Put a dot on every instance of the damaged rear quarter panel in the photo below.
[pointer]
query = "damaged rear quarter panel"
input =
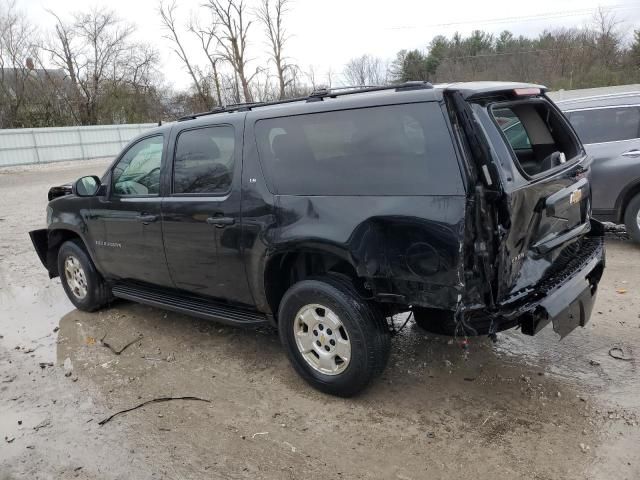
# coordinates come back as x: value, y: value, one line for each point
x: 407, y: 248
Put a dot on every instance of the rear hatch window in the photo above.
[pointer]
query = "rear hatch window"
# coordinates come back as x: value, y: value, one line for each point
x: 537, y: 134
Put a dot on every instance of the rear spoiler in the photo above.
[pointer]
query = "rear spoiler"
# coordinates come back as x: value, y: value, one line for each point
x: 477, y: 90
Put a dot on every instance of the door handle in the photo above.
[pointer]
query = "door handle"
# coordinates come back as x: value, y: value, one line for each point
x: 221, y: 221
x: 147, y: 218
x: 631, y: 153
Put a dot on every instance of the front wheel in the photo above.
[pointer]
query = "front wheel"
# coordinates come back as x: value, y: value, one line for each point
x: 632, y: 218
x: 334, y: 339
x: 82, y: 283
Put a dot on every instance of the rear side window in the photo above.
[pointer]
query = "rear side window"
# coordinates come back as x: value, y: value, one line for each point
x: 538, y: 135
x: 204, y: 160
x: 606, y: 124
x: 389, y: 150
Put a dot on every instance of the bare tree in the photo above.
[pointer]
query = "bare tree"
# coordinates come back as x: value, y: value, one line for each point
x: 208, y: 42
x: 96, y: 54
x: 168, y: 17
x: 299, y: 86
x: 330, y: 76
x: 608, y: 36
x: 311, y: 76
x: 106, y: 38
x: 17, y: 53
x: 66, y: 57
x: 139, y: 65
x: 231, y: 87
x: 365, y: 70
x: 272, y: 17
x: 231, y: 29
x: 64, y: 54
x: 263, y: 88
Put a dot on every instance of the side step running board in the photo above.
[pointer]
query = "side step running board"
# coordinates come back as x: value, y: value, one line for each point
x: 190, y: 305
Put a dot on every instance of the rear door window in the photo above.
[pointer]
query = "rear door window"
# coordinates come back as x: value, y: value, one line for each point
x: 388, y: 150
x: 606, y: 124
x: 204, y: 160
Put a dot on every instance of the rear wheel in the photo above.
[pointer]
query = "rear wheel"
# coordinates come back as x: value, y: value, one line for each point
x: 334, y: 339
x: 632, y: 218
x: 82, y: 283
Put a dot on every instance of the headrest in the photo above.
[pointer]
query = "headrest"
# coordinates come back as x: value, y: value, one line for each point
x: 199, y: 147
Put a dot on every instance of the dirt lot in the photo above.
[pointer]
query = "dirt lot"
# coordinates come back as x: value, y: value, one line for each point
x: 527, y: 408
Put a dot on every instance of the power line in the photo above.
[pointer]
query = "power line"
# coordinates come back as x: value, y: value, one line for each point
x: 540, y: 16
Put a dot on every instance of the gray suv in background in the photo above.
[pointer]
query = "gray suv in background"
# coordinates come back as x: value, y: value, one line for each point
x: 608, y: 124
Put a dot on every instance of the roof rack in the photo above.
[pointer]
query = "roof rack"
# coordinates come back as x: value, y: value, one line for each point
x: 315, y: 96
x: 339, y: 91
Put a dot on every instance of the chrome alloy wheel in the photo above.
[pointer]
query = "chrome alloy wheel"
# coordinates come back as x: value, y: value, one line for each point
x: 76, y: 278
x: 322, y: 339
x: 638, y: 219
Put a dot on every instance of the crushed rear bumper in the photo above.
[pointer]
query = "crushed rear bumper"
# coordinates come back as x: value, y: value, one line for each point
x: 570, y: 305
x: 567, y: 297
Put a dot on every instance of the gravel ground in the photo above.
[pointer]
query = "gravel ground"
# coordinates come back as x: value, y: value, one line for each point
x: 524, y: 407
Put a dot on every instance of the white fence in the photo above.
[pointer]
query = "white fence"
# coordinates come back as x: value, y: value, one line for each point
x: 43, y: 145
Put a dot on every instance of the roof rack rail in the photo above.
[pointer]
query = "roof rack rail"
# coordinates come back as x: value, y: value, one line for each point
x: 193, y: 116
x: 339, y: 91
x: 239, y: 107
x: 316, y: 95
x: 414, y: 85
x: 242, y: 107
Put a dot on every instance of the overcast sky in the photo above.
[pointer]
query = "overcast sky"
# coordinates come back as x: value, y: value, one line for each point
x: 327, y: 33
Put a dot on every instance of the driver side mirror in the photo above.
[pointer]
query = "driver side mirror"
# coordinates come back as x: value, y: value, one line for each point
x: 86, y: 186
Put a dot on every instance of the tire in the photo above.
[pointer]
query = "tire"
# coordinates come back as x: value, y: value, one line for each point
x: 632, y: 218
x: 321, y: 304
x: 82, y: 283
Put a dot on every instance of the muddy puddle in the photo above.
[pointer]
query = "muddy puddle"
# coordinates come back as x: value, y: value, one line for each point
x: 30, y: 314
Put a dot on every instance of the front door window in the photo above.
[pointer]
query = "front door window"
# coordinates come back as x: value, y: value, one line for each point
x: 138, y: 171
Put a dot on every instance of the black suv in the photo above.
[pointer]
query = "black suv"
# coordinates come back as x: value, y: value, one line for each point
x: 326, y: 215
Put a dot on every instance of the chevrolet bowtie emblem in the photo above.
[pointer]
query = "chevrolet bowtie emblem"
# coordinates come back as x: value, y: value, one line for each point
x: 575, y: 197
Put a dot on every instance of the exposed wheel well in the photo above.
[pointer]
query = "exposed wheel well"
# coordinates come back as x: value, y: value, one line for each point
x: 56, y: 239
x: 625, y: 199
x: 288, y: 268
